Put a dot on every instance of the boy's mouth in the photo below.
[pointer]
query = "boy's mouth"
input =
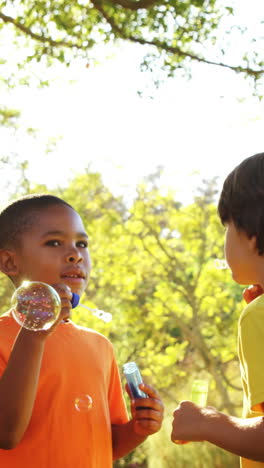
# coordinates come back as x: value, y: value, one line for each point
x: 73, y: 276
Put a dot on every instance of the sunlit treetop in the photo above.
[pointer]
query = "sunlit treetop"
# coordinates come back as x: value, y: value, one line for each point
x: 175, y: 32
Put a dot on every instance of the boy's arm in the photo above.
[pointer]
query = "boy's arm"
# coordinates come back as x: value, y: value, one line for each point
x: 18, y: 387
x: 243, y: 437
x: 18, y: 384
x: 144, y: 422
x: 125, y: 439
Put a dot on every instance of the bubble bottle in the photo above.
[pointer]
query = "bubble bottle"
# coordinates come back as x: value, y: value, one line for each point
x: 199, y: 392
x: 134, y: 379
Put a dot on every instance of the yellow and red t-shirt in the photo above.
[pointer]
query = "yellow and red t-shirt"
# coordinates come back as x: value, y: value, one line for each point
x: 251, y: 352
x: 77, y: 362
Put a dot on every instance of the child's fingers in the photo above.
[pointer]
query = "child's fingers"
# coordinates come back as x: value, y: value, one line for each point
x: 129, y: 391
x: 63, y: 290
x: 151, y: 403
x: 65, y: 309
x: 149, y: 390
x: 147, y: 427
x: 148, y: 414
x: 65, y: 296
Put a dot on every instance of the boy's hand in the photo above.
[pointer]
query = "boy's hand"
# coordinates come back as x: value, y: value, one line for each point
x: 147, y: 420
x: 66, y: 296
x: 250, y: 293
x: 189, y: 422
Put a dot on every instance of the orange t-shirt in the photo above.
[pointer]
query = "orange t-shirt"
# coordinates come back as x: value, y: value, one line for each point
x: 76, y: 362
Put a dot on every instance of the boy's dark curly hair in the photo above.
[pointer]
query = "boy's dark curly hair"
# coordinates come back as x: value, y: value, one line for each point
x: 242, y: 199
x: 20, y: 215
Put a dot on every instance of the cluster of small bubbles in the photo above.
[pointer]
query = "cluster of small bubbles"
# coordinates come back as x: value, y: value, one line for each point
x: 35, y: 305
x: 83, y: 403
x: 220, y: 264
x: 101, y: 314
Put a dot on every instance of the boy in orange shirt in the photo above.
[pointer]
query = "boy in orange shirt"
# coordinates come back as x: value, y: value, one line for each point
x: 241, y: 209
x: 42, y: 238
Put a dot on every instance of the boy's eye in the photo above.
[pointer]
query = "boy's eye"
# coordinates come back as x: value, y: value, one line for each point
x: 56, y: 243
x: 82, y: 244
x: 53, y: 243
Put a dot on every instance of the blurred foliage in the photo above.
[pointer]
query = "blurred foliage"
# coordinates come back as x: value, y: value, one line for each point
x: 8, y: 117
x: 173, y: 32
x: 174, y: 312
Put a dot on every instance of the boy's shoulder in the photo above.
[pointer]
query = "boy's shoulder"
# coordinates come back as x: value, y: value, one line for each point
x: 82, y: 339
x: 7, y: 321
x: 9, y: 329
x: 81, y: 329
x: 255, y: 307
x: 83, y: 332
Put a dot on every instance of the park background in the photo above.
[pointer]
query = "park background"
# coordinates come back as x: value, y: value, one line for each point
x: 140, y: 146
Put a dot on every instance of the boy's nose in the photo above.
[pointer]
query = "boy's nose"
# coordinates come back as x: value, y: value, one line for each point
x: 72, y: 259
x: 74, y: 256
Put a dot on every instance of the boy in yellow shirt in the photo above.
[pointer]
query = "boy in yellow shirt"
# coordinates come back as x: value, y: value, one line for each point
x: 241, y: 210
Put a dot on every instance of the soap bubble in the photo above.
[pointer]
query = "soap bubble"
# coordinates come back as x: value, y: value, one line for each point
x: 35, y: 305
x: 220, y: 264
x: 83, y: 403
x: 101, y: 314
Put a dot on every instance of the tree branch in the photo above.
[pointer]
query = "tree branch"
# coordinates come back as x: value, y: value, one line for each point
x: 175, y: 50
x: 136, y: 5
x: 227, y: 381
x: 119, y: 32
x: 37, y: 37
x: 168, y: 48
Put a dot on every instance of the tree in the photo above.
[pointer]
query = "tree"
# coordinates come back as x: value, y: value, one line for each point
x: 181, y: 307
x: 174, y: 312
x: 175, y: 32
x: 153, y: 268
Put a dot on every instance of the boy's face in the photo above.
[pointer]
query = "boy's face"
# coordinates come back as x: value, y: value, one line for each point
x: 55, y: 250
x: 242, y: 256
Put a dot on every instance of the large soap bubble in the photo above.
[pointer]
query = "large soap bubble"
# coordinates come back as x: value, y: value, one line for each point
x: 35, y: 305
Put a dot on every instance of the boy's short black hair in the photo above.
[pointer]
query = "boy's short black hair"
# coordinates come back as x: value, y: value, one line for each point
x: 19, y: 216
x: 242, y: 199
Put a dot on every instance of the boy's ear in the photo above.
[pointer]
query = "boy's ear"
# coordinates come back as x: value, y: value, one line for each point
x: 8, y: 262
x: 253, y: 243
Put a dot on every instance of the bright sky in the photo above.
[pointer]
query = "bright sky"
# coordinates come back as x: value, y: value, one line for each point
x: 206, y: 125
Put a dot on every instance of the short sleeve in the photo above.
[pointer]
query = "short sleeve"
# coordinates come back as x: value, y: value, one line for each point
x: 8, y: 333
x: 252, y: 353
x: 117, y: 405
x: 3, y: 363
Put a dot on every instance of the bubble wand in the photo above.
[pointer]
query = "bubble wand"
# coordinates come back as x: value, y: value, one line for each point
x: 101, y: 314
